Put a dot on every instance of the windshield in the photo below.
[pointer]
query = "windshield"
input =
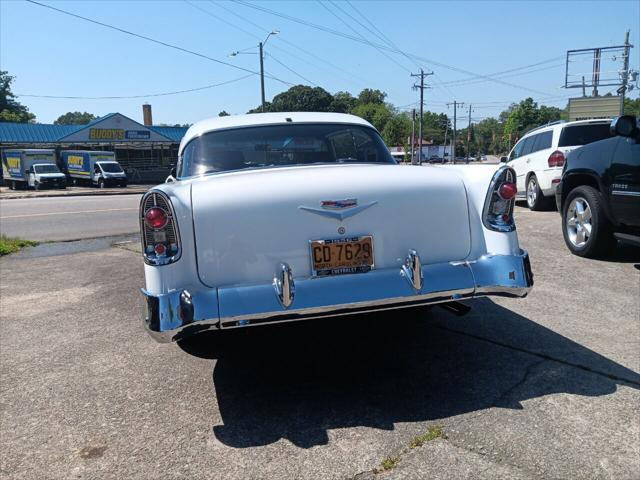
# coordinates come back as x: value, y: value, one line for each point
x: 48, y: 168
x: 281, y: 145
x: 111, y: 167
x: 583, y: 134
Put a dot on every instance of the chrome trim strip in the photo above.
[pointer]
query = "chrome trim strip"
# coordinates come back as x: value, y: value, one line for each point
x: 625, y: 193
x: 284, y: 285
x: 178, y: 314
x: 412, y: 270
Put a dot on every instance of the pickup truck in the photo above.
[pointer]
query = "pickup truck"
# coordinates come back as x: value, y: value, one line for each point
x: 598, y: 195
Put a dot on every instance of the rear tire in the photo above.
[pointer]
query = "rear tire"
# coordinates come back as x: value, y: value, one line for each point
x: 36, y: 186
x: 585, y: 227
x: 12, y: 185
x: 535, y: 198
x: 101, y: 183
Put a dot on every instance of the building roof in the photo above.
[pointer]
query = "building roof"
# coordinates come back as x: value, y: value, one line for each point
x: 31, y: 133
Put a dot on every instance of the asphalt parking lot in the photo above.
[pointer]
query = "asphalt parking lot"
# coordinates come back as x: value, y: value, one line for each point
x: 542, y: 387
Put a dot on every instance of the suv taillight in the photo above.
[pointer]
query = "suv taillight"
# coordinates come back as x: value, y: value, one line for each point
x: 501, y: 197
x: 158, y: 229
x: 556, y: 159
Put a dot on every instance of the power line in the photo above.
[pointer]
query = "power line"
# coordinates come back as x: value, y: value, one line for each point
x: 359, y: 34
x: 337, y: 68
x: 291, y: 70
x: 367, y: 42
x: 113, y: 97
x: 153, y: 40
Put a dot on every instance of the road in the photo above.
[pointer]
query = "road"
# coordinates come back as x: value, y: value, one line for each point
x: 542, y: 387
x: 69, y: 218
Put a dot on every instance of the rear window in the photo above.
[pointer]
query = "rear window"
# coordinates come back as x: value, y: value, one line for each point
x: 281, y: 145
x: 583, y: 134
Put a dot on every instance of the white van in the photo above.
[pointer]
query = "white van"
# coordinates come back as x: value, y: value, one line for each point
x: 539, y: 156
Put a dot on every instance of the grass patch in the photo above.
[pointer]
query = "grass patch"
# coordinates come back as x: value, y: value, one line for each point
x: 11, y: 245
x: 431, y: 434
x: 388, y: 463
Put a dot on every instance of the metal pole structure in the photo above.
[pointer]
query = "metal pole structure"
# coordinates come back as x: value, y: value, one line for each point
x: 446, y: 130
x: 422, y: 74
x: 469, y: 133
x: 453, y: 137
x: 625, y: 72
x: 413, y: 135
x: 262, y: 76
x: 596, y: 70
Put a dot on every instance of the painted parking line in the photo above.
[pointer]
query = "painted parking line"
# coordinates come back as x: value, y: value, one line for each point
x: 68, y: 213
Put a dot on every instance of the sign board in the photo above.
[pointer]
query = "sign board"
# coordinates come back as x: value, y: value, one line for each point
x: 585, y: 108
x: 114, y: 128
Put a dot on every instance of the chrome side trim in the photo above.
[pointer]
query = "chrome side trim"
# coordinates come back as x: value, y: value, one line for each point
x: 625, y: 193
x: 175, y: 315
x: 412, y: 270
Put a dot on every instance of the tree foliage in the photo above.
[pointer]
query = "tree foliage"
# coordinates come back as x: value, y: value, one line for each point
x: 632, y: 107
x: 75, y: 118
x: 10, y: 109
x: 223, y: 113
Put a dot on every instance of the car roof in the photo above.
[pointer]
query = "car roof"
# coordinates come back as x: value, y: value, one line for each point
x: 258, y: 119
x: 563, y: 124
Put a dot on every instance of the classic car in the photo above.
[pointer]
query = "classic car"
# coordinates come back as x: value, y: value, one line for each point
x: 287, y: 216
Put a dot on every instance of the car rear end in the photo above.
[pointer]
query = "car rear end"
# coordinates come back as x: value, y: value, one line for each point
x: 220, y: 253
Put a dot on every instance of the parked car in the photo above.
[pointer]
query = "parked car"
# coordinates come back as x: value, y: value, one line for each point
x: 540, y: 154
x: 35, y: 168
x: 286, y: 216
x: 599, y: 192
x: 98, y: 168
x: 436, y: 159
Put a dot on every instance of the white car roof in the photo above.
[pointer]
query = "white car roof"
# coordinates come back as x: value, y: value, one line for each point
x: 257, y: 119
x: 563, y: 124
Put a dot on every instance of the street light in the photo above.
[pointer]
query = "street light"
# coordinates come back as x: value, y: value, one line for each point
x: 261, y: 53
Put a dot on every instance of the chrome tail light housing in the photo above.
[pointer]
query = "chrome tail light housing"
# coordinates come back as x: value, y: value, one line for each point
x: 160, y: 239
x: 497, y: 214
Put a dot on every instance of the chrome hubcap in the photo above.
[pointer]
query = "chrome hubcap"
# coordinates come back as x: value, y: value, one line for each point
x: 579, y: 222
x: 532, y: 192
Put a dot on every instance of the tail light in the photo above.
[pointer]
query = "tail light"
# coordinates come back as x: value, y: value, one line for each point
x: 501, y: 197
x: 158, y: 229
x: 556, y: 159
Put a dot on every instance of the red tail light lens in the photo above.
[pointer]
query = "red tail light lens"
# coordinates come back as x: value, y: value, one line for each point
x: 156, y: 218
x: 507, y: 191
x: 556, y: 159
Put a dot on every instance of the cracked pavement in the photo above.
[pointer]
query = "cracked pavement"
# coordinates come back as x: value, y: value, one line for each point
x: 542, y: 387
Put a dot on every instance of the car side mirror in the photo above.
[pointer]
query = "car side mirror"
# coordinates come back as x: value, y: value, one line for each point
x: 504, y: 159
x: 172, y: 172
x: 625, y: 126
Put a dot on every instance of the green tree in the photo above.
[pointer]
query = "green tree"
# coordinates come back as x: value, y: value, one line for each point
x: 343, y: 102
x: 75, y: 118
x: 632, y: 107
x: 369, y: 95
x: 10, y: 109
x: 375, y: 113
x: 223, y: 113
x: 300, y: 98
x: 396, y: 130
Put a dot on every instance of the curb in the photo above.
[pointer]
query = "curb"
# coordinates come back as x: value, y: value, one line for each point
x: 72, y: 194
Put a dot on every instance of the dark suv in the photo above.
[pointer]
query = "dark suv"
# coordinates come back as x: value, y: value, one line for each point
x: 599, y: 192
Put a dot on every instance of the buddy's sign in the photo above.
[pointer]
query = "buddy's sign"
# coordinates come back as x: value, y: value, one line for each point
x: 115, y: 128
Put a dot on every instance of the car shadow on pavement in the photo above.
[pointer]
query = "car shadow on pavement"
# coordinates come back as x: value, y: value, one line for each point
x: 297, y: 381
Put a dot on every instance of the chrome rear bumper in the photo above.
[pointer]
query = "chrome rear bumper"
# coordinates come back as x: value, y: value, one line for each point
x: 176, y: 315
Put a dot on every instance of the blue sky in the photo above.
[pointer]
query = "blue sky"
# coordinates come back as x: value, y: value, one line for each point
x: 54, y: 54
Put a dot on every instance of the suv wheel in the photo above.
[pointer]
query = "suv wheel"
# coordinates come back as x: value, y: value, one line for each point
x: 535, y: 198
x: 36, y: 186
x: 101, y: 183
x: 585, y: 227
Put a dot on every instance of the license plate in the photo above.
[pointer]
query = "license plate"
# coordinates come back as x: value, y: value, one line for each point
x: 342, y: 255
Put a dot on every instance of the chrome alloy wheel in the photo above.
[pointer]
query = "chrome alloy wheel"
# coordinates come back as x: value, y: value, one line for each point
x: 532, y: 192
x: 578, y: 222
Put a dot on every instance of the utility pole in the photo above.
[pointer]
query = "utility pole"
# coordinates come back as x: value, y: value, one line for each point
x: 444, y: 150
x: 413, y: 135
x: 422, y: 74
x: 456, y: 105
x: 469, y: 133
x: 262, y: 77
x: 625, y: 70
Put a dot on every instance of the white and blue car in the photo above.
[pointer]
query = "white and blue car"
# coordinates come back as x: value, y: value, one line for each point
x: 288, y: 216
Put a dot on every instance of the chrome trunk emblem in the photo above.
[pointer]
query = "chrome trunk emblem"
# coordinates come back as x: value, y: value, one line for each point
x: 338, y: 209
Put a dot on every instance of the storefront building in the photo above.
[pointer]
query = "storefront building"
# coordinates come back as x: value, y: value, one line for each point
x: 145, y: 152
